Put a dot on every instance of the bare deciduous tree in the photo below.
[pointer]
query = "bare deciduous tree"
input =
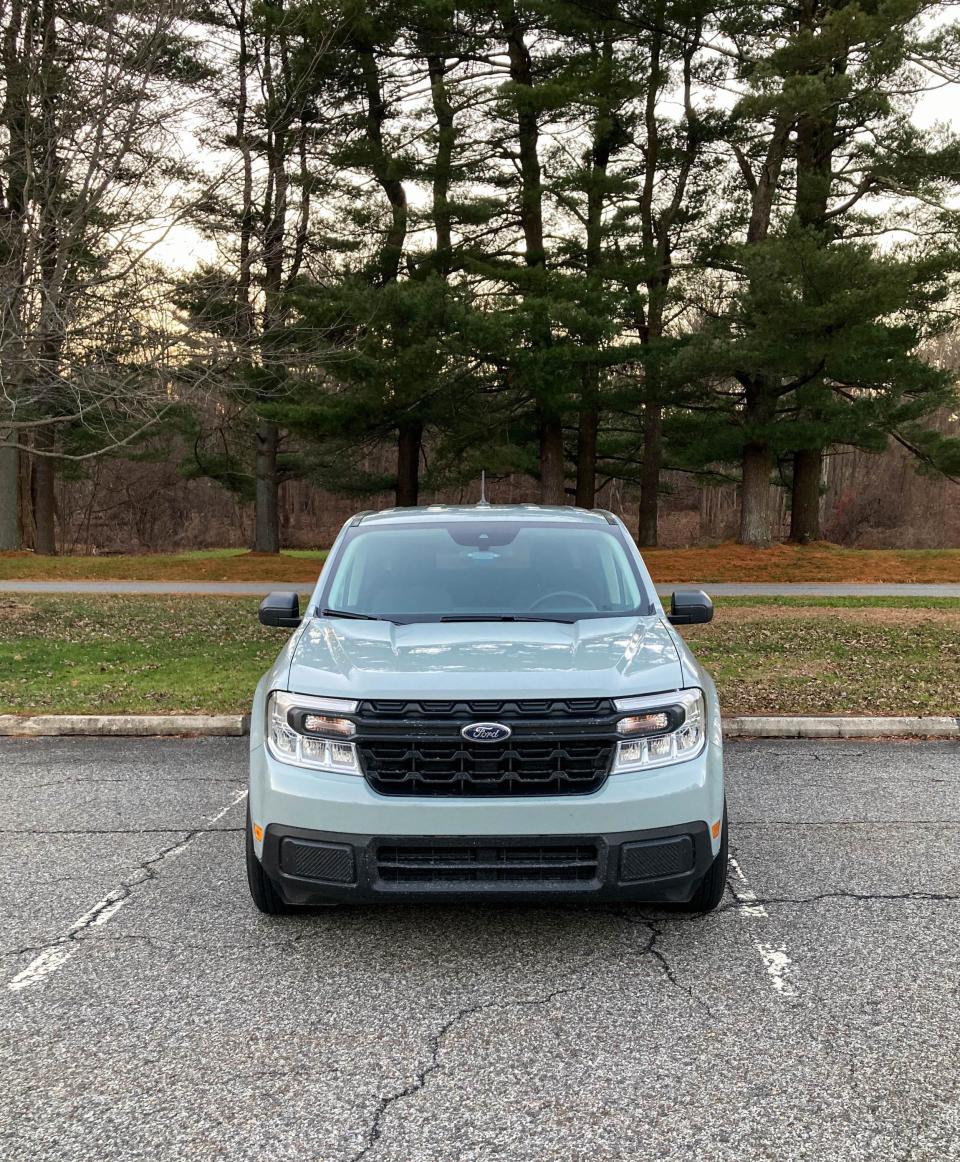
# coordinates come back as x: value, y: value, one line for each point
x: 92, y: 147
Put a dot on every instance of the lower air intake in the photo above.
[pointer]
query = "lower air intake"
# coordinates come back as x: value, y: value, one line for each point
x: 495, y: 864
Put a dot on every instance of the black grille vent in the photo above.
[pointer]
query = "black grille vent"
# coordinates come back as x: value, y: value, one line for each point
x: 457, y: 767
x: 332, y: 862
x: 656, y: 858
x: 564, y: 708
x: 448, y: 864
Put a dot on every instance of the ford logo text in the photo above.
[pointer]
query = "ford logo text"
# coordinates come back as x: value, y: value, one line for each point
x: 486, y: 732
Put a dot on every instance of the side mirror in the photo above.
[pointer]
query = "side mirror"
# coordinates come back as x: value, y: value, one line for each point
x: 281, y: 609
x: 690, y: 607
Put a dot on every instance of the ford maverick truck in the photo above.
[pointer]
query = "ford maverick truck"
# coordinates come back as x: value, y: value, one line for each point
x: 485, y: 701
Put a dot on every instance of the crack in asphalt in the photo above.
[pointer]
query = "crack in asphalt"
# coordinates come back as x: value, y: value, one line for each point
x: 374, y: 1131
x: 79, y: 780
x: 104, y: 908
x: 860, y: 897
x: 128, y: 831
x: 666, y: 968
x: 856, y: 897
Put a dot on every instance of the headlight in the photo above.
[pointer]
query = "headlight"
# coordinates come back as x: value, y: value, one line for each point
x: 661, y: 729
x: 312, y: 732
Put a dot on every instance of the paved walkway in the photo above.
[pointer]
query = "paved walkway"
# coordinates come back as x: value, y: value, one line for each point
x: 257, y: 588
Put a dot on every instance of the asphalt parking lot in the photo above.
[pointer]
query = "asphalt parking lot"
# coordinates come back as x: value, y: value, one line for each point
x: 148, y: 1012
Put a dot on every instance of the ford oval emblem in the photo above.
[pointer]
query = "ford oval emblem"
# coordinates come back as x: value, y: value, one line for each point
x: 486, y: 732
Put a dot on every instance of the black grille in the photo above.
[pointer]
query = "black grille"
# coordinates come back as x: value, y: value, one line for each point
x: 515, y: 767
x: 656, y: 858
x: 447, y: 864
x: 309, y: 860
x: 557, y: 747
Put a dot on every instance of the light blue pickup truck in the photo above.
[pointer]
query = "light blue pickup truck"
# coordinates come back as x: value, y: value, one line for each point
x: 485, y: 701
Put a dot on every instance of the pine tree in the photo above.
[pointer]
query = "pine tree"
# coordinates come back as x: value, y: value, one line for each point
x: 382, y: 354
x: 822, y: 130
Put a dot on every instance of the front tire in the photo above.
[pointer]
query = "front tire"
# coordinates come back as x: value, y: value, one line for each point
x: 266, y: 897
x: 710, y: 890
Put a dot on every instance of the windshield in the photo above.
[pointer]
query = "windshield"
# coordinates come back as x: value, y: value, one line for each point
x: 479, y: 570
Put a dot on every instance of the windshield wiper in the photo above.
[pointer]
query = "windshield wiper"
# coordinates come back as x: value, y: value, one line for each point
x: 353, y: 616
x: 505, y: 617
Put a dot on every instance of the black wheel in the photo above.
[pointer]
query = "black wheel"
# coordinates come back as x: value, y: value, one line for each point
x: 264, y: 894
x: 710, y: 890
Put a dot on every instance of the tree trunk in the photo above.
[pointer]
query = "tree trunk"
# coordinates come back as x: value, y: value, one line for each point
x: 443, y: 162
x: 587, y: 454
x: 267, y: 517
x: 9, y: 499
x: 552, y: 474
x: 383, y: 166
x: 409, y: 441
x: 755, y: 509
x: 28, y: 531
x: 650, y: 473
x: 805, y: 505
x: 44, y: 499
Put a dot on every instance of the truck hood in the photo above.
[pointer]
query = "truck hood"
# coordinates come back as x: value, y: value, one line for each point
x: 603, y: 657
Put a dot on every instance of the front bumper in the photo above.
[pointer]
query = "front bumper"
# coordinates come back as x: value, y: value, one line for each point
x: 343, y: 810
x: 660, y: 865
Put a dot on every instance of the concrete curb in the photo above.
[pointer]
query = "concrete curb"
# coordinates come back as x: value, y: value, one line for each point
x: 236, y: 725
x: 782, y: 726
x: 124, y: 725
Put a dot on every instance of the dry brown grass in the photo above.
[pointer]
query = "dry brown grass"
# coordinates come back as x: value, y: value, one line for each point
x: 817, y: 562
x: 727, y: 562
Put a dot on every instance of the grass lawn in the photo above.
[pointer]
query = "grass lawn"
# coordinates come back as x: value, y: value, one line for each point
x: 856, y: 656
x: 160, y: 655
x: 208, y: 565
x: 729, y: 562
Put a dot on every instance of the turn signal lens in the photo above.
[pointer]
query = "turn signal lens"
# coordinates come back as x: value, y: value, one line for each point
x: 645, y: 723
x: 322, y: 724
x: 715, y: 830
x: 257, y: 832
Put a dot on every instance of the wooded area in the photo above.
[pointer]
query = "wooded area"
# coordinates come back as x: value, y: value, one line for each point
x: 597, y: 245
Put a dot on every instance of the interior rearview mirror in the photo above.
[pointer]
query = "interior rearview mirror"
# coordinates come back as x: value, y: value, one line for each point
x: 690, y: 607
x: 281, y: 609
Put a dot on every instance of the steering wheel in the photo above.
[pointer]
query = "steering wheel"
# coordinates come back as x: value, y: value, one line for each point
x: 585, y: 602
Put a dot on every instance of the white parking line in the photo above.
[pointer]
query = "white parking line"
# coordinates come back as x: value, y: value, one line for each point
x: 233, y: 802
x: 58, y: 953
x: 775, y: 959
x: 745, y: 896
x: 777, y: 964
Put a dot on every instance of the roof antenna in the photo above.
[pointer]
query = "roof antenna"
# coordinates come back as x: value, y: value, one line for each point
x: 483, y: 502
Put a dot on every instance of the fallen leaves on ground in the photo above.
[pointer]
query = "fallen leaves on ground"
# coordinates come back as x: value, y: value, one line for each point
x: 820, y: 562
x: 106, y: 654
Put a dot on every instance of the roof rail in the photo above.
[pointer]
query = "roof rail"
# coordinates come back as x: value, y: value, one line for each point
x: 607, y: 516
x: 360, y: 515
